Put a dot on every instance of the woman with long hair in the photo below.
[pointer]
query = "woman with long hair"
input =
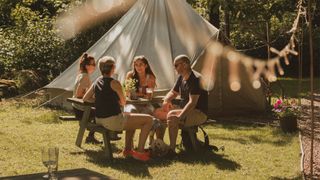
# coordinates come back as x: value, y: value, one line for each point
x: 87, y: 66
x: 143, y: 75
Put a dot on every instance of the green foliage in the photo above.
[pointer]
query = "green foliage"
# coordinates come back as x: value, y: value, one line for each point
x: 33, y: 46
x: 249, y: 20
x: 130, y: 85
x: 287, y: 108
x: 28, y: 40
x: 26, y: 80
x: 201, y: 6
x: 5, y: 11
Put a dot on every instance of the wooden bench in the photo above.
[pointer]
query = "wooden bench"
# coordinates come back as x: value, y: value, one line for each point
x: 68, y: 118
x: 85, y: 124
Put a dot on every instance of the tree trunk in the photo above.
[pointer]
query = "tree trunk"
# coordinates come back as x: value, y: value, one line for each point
x: 227, y: 19
x: 214, y: 15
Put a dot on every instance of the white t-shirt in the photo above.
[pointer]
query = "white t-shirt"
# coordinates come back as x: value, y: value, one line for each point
x: 82, y: 83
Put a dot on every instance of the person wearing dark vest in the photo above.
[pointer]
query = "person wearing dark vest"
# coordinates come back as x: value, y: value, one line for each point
x: 109, y: 99
x: 194, y: 101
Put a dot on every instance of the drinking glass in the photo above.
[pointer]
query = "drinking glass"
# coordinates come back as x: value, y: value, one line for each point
x: 149, y: 92
x: 50, y: 160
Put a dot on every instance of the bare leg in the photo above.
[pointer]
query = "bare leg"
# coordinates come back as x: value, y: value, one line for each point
x: 160, y: 132
x: 173, y: 126
x: 161, y: 114
x: 139, y: 121
x: 173, y: 131
x: 129, y: 139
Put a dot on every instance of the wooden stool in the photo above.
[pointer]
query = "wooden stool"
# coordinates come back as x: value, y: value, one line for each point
x: 107, y: 137
x: 86, y: 124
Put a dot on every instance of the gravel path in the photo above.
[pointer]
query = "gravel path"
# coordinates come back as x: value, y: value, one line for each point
x: 305, y: 128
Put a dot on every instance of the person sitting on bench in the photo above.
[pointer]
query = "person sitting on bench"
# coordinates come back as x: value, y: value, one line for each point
x: 194, y: 101
x: 108, y: 98
x: 87, y: 66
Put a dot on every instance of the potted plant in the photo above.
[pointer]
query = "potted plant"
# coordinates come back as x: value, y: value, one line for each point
x: 130, y: 88
x: 287, y: 112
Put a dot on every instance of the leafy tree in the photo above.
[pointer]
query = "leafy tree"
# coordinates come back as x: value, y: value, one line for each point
x: 29, y: 41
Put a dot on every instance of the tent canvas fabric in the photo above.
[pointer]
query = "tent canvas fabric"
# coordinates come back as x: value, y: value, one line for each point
x: 160, y: 30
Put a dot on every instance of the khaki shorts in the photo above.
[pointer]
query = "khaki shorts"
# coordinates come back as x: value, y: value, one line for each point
x: 194, y: 117
x: 114, y: 123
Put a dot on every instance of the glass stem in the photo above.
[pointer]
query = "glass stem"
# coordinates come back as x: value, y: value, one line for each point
x: 50, y: 171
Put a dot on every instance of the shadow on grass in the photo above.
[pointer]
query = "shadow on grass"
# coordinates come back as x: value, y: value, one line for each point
x: 298, y: 177
x: 140, y: 169
x: 85, y: 150
x: 278, y: 137
x: 209, y: 158
x: 133, y: 167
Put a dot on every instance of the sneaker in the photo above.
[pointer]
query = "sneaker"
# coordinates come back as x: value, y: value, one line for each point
x: 92, y: 140
x: 148, y: 152
x: 140, y: 156
x: 127, y: 153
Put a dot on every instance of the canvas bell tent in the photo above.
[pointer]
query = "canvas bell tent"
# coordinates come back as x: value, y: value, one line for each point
x: 160, y: 30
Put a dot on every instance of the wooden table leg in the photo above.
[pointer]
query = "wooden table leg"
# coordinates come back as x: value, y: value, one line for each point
x: 107, y: 145
x: 83, y: 125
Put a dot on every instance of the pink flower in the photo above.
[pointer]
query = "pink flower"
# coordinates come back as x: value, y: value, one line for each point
x: 279, y: 102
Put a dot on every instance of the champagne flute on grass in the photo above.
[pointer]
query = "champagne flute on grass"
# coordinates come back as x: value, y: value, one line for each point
x: 50, y: 160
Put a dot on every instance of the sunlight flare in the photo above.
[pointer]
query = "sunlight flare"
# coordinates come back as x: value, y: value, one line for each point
x: 91, y: 12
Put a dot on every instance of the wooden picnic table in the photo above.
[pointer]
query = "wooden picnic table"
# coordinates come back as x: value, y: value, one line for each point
x: 85, y: 123
x: 71, y: 174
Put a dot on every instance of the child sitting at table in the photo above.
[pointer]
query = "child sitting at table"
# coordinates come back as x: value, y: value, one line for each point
x: 108, y: 98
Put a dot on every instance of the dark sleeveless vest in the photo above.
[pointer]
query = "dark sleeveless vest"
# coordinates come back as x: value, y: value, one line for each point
x: 107, y: 100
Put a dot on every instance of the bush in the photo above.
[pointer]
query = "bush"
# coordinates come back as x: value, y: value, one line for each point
x: 27, y: 80
x: 28, y: 41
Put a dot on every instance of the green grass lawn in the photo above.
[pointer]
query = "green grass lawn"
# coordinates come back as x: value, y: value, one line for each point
x: 250, y: 152
x: 291, y: 87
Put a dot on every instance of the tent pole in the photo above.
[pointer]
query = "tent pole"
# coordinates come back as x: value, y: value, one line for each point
x: 268, y: 51
x: 311, y: 86
x: 300, y: 63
